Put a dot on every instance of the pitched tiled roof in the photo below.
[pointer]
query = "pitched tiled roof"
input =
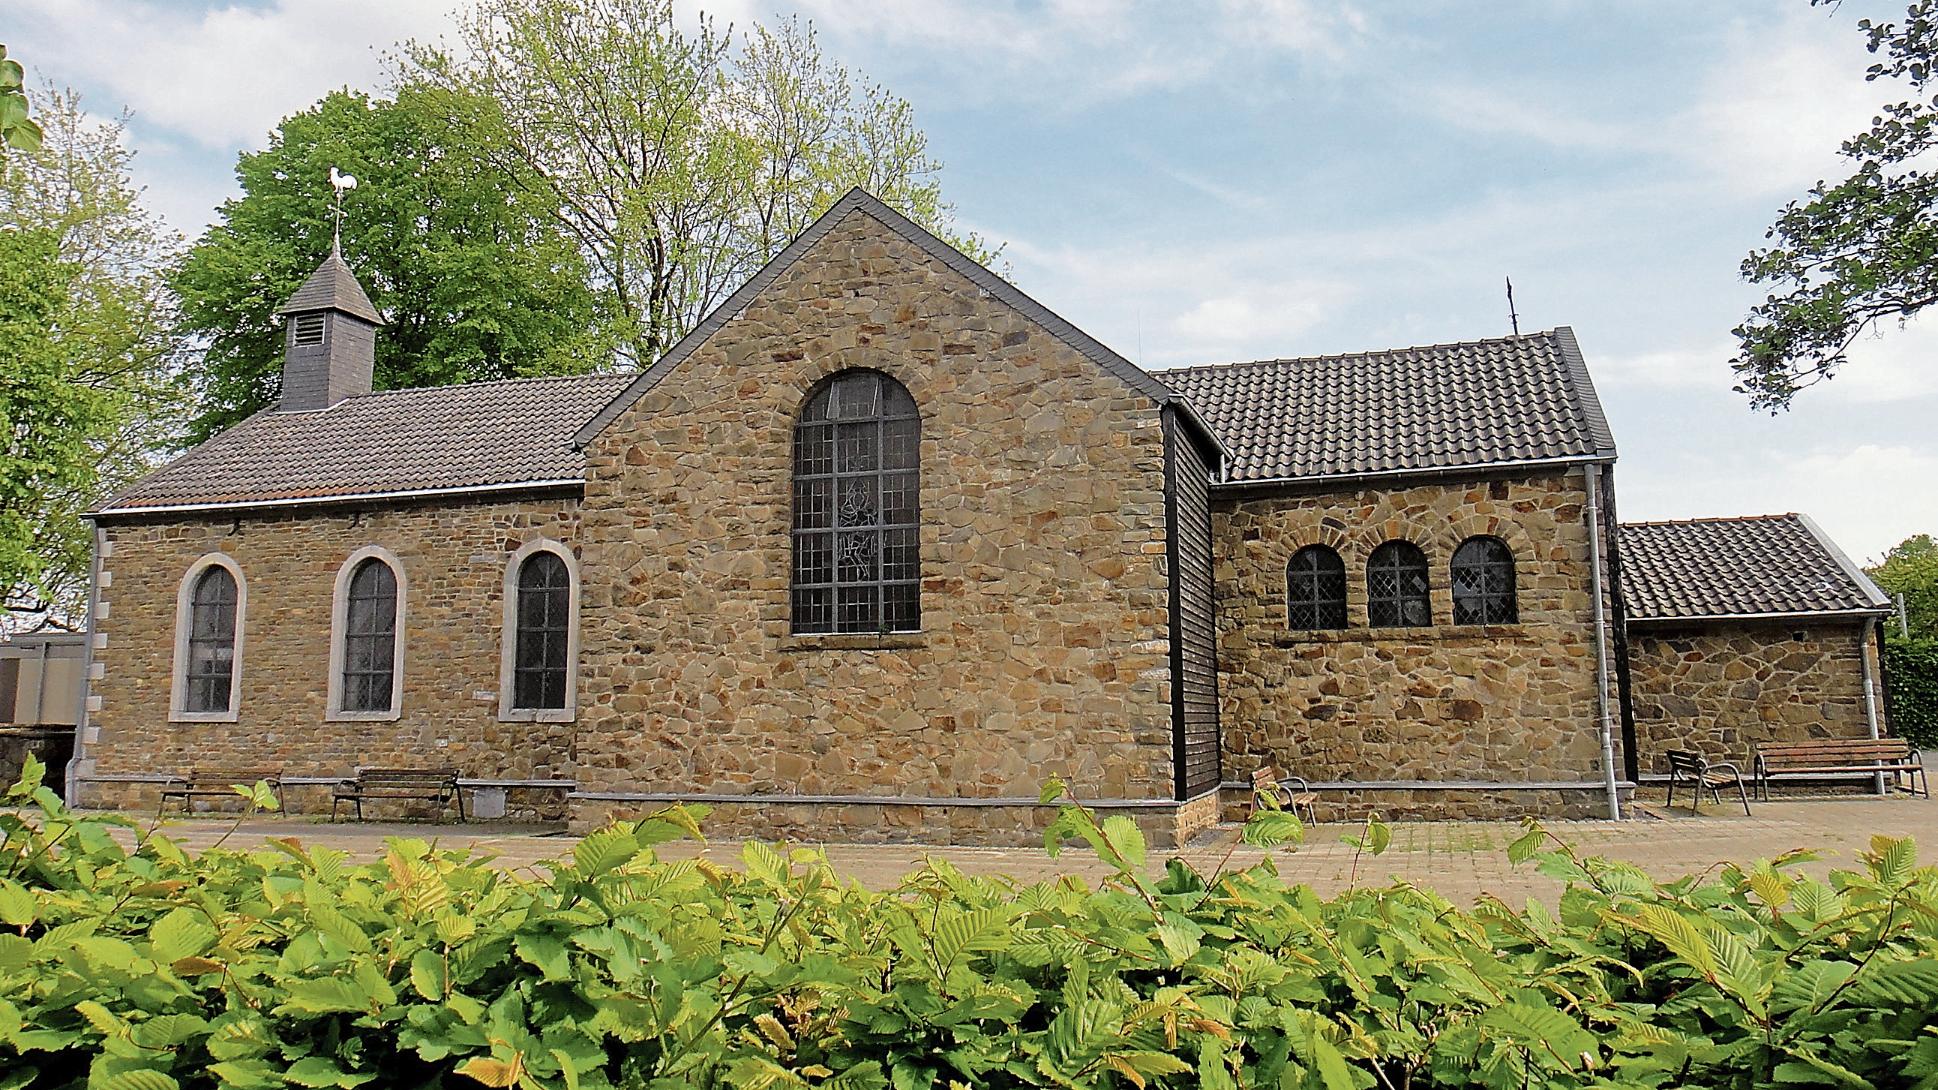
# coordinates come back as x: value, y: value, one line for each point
x: 1731, y: 567
x: 332, y: 287
x: 486, y: 434
x: 1448, y: 406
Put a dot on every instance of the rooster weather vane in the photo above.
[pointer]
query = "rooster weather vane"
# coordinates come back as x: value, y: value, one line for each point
x: 341, y: 183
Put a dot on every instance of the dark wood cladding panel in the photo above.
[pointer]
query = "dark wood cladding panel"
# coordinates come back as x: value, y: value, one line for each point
x: 1194, y: 630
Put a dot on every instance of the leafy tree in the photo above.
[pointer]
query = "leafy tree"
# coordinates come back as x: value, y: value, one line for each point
x: 1911, y: 660
x: 1858, y: 253
x: 473, y: 276
x: 679, y: 162
x: 1911, y: 569
x: 17, y: 130
x: 88, y: 359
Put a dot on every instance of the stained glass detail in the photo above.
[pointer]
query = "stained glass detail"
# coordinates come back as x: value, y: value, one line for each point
x: 857, y: 565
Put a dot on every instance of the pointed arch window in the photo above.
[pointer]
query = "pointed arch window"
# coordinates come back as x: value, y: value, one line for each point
x: 857, y: 555
x: 208, y: 641
x: 1315, y: 589
x: 1483, y: 582
x: 367, y: 648
x: 1397, y: 594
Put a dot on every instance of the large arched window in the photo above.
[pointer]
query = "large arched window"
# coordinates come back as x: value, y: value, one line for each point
x: 541, y: 640
x: 1483, y: 582
x: 1396, y: 587
x: 1315, y: 589
x: 366, y: 667
x: 857, y: 557
x: 208, y: 641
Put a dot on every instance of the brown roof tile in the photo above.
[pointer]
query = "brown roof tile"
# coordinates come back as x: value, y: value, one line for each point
x: 1731, y: 567
x: 1511, y: 399
x: 517, y: 431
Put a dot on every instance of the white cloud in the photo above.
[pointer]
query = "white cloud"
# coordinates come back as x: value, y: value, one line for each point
x: 222, y: 77
x: 1866, y: 496
x: 1528, y: 115
x: 1667, y: 369
x: 1068, y: 54
x: 1781, y: 99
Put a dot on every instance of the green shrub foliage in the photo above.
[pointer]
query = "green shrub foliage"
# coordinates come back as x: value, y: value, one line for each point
x: 1911, y: 689
x: 128, y: 964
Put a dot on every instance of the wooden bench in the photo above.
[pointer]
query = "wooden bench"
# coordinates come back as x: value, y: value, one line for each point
x: 218, y: 783
x: 1699, y: 772
x: 1266, y: 782
x: 1836, y: 756
x: 438, y: 786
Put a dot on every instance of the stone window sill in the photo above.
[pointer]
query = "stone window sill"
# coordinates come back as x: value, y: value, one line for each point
x: 202, y: 717
x: 893, y: 641
x: 1400, y: 635
x: 537, y: 715
x: 363, y: 717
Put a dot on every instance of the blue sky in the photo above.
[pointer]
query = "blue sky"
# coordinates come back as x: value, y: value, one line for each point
x: 1238, y: 179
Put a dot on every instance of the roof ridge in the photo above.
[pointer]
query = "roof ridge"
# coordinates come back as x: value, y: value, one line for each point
x: 1367, y: 353
x: 628, y: 375
x: 1706, y: 520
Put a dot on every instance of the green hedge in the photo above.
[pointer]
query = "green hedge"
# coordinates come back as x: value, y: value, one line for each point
x: 1911, y: 689
x: 127, y: 964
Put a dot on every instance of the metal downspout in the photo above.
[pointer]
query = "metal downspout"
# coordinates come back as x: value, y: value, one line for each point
x: 72, y: 780
x: 1870, y: 684
x: 1593, y: 475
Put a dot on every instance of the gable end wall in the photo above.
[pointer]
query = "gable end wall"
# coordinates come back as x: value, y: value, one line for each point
x: 1044, y: 647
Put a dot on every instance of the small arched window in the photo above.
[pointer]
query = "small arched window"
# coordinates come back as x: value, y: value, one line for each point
x: 1483, y: 582
x: 1396, y: 587
x: 211, y: 641
x: 857, y: 555
x: 208, y: 641
x: 541, y: 664
x: 1315, y: 589
x: 368, y: 656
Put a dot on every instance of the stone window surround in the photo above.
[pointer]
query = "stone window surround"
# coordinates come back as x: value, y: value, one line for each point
x: 1355, y: 548
x: 184, y: 619
x: 339, y: 619
x: 508, y: 638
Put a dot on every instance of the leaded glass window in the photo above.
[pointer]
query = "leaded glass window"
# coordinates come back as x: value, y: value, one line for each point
x: 857, y: 556
x: 544, y: 618
x: 1396, y: 587
x: 370, y: 638
x: 1483, y: 582
x: 1315, y: 589
x: 210, y: 671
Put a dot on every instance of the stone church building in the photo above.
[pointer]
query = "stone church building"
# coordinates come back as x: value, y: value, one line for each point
x: 884, y: 544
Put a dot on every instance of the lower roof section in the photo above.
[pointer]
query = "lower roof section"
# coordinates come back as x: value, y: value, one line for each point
x: 1762, y: 567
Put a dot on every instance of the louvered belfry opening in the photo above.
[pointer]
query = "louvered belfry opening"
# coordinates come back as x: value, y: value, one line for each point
x: 330, y: 338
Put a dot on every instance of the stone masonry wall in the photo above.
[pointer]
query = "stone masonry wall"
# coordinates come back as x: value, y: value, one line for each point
x: 1042, y: 648
x: 1497, y: 703
x: 453, y: 557
x: 1721, y: 689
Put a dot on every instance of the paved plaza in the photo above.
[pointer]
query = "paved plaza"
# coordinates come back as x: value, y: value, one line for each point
x: 1460, y: 859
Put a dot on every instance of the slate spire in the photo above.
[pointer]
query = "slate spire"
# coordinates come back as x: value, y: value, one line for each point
x: 330, y: 339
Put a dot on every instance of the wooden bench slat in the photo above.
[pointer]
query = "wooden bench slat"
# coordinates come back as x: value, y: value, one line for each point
x: 1835, y: 756
x: 434, y: 785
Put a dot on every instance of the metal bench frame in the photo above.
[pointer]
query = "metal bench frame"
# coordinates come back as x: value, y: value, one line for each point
x: 1699, y: 772
x: 433, y: 785
x: 1837, y: 756
x: 1267, y: 781
x: 217, y: 783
